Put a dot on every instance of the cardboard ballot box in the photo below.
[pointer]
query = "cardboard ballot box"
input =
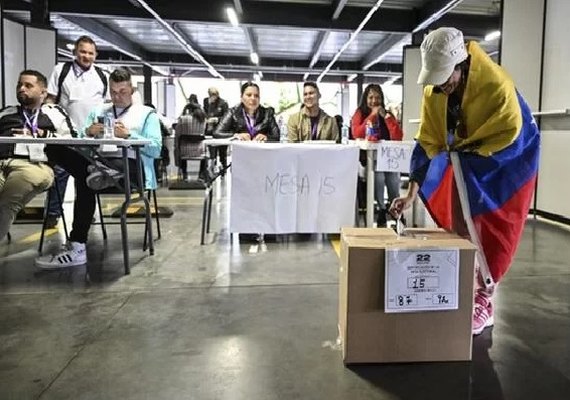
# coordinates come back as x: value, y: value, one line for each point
x: 414, y: 305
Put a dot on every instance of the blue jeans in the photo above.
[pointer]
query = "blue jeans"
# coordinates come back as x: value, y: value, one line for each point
x: 392, y: 182
x: 61, y: 177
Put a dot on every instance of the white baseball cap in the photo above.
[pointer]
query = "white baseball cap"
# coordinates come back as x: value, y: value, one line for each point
x: 441, y: 51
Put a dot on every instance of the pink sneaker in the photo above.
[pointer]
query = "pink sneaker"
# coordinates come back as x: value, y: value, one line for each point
x: 482, y: 314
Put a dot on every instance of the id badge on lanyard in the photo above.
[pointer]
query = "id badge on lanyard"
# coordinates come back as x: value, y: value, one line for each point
x: 31, y: 123
x: 250, y: 124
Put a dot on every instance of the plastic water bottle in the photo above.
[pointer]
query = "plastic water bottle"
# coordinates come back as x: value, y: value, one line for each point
x: 371, y: 135
x: 108, y: 126
x: 283, y: 134
x: 344, y: 134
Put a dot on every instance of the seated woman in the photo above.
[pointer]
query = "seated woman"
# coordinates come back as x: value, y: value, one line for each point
x: 249, y: 120
x: 371, y: 115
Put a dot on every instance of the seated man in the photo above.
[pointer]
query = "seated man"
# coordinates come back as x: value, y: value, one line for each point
x: 133, y: 121
x: 24, y: 172
x: 311, y: 123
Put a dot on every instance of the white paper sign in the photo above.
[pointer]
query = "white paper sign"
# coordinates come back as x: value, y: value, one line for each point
x: 394, y: 156
x: 287, y: 188
x: 421, y: 280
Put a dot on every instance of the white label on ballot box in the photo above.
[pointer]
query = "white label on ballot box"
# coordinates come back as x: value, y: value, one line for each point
x: 421, y: 280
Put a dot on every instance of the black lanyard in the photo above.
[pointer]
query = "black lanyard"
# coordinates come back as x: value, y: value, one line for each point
x: 117, y: 116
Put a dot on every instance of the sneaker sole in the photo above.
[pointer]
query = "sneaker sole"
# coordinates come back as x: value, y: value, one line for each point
x: 490, y: 322
x: 55, y: 267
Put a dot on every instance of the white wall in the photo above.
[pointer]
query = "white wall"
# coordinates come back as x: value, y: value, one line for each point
x: 14, y: 58
x: 24, y: 48
x: 521, y: 46
x: 41, y: 49
x: 553, y: 191
x: 413, y: 92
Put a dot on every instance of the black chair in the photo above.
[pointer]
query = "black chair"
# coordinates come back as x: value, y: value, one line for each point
x: 208, y: 195
x: 151, y: 196
x: 112, y: 190
x: 188, y: 148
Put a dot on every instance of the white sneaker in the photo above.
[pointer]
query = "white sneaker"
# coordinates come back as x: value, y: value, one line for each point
x: 71, y: 254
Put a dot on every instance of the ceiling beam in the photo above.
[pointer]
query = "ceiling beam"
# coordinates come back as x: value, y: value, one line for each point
x: 318, y: 47
x: 248, y: 33
x: 244, y: 76
x: 375, y: 55
x: 167, y: 26
x: 102, y: 31
x: 185, y: 36
x: 250, y: 39
x: 475, y: 28
x: 315, y: 16
x: 338, y: 6
x: 434, y: 10
x: 225, y: 62
x: 299, y: 15
x: 238, y: 7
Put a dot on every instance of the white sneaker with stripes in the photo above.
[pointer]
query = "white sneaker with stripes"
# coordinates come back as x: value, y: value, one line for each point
x: 71, y: 255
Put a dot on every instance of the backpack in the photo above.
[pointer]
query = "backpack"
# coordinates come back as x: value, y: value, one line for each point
x: 65, y: 70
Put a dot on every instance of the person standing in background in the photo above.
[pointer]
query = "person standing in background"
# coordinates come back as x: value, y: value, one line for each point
x: 215, y: 108
x: 77, y: 86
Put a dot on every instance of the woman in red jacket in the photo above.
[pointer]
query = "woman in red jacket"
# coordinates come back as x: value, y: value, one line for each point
x: 372, y: 114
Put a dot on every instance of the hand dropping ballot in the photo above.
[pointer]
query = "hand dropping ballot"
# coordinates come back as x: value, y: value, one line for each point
x: 421, y: 280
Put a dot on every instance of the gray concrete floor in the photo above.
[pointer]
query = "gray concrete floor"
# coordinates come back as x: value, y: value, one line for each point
x: 216, y: 322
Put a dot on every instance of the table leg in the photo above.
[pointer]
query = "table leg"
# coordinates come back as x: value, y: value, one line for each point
x: 140, y: 190
x: 369, y: 188
x: 124, y: 208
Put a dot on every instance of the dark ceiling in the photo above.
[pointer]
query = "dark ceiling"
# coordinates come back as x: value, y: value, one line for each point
x: 294, y: 39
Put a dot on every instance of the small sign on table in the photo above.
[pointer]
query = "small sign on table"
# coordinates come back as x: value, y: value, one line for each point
x: 421, y: 280
x: 394, y: 156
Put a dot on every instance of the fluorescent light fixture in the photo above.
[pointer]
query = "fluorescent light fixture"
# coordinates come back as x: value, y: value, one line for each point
x: 391, y: 81
x: 232, y: 16
x: 197, y: 56
x: 260, y: 74
x: 351, y: 38
x: 70, y: 46
x: 492, y: 36
x: 351, y: 78
x: 256, y: 77
x: 437, y: 15
x: 305, y: 76
x: 65, y: 53
x: 254, y: 58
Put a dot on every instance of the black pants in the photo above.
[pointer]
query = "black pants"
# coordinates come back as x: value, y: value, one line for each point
x: 184, y: 169
x: 84, y: 207
x: 222, y: 152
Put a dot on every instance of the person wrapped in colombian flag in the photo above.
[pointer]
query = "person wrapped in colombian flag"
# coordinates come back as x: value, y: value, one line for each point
x: 476, y: 156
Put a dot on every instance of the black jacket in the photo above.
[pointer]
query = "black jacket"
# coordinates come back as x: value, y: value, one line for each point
x: 217, y: 109
x: 51, y: 118
x: 234, y: 122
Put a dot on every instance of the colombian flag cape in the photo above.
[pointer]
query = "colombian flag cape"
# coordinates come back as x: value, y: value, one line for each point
x: 492, y: 171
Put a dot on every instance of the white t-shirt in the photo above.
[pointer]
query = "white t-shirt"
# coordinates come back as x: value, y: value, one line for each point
x: 79, y: 94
